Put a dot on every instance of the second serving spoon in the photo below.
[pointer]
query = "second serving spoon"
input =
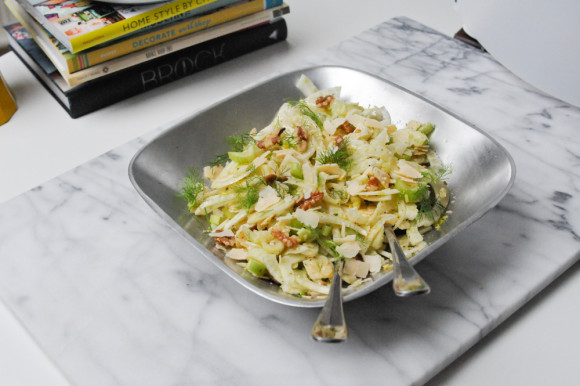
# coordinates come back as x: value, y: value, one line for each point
x: 406, y: 281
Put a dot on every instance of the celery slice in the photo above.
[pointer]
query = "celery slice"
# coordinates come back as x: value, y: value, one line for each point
x: 408, y: 192
x: 255, y: 267
x: 246, y: 156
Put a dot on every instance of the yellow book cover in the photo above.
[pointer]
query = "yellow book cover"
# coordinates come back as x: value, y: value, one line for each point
x: 156, y: 50
x: 173, y: 46
x: 164, y: 33
x: 82, y: 24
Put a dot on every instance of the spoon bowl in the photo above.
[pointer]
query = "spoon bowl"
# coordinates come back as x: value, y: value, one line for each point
x: 406, y: 281
x: 330, y: 327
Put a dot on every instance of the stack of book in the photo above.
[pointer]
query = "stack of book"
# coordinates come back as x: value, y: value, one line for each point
x: 91, y: 54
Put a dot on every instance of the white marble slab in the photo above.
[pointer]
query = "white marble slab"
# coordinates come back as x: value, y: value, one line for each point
x: 115, y: 297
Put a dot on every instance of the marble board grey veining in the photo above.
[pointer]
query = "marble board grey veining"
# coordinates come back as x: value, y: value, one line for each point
x: 115, y: 297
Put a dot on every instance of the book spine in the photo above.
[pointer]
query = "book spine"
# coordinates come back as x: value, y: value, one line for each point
x: 123, y: 62
x: 34, y: 30
x: 42, y: 76
x: 142, y: 20
x: 92, y: 57
x: 169, y: 68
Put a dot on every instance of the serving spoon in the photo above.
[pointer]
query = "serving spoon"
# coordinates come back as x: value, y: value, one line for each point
x: 330, y: 327
x: 406, y: 281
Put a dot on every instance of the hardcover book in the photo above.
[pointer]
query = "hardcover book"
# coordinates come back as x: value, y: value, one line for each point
x: 82, y: 24
x: 102, y: 92
x: 70, y: 63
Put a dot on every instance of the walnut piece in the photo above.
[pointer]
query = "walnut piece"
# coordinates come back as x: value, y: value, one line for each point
x: 347, y: 127
x: 288, y: 241
x: 307, y: 203
x: 226, y: 241
x: 270, y: 178
x: 302, y: 137
x: 270, y: 140
x: 324, y: 101
x: 373, y: 184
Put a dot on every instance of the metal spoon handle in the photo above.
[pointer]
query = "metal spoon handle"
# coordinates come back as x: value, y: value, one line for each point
x: 406, y: 281
x: 330, y: 327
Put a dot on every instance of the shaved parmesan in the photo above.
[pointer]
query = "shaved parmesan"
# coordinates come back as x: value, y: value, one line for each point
x: 237, y: 254
x: 405, y: 169
x: 414, y: 235
x: 267, y: 198
x: 349, y: 249
x: 309, y: 218
x: 374, y: 262
x: 356, y: 268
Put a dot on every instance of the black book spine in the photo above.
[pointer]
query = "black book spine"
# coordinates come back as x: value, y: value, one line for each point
x: 146, y: 76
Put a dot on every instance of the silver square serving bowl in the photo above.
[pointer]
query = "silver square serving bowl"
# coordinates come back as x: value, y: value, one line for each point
x: 482, y: 170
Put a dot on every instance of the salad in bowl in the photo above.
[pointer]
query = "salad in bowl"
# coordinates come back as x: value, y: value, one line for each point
x: 318, y: 186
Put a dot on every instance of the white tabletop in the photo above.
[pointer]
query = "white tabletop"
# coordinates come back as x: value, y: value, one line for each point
x: 534, y: 346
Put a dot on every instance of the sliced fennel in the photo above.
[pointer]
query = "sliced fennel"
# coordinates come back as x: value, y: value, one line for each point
x: 318, y: 185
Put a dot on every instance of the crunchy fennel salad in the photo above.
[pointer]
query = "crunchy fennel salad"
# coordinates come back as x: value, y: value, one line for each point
x: 318, y: 186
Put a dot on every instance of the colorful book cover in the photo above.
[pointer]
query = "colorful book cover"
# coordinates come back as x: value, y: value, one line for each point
x: 165, y: 48
x: 118, y: 64
x: 103, y: 92
x: 140, y: 40
x: 81, y: 24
